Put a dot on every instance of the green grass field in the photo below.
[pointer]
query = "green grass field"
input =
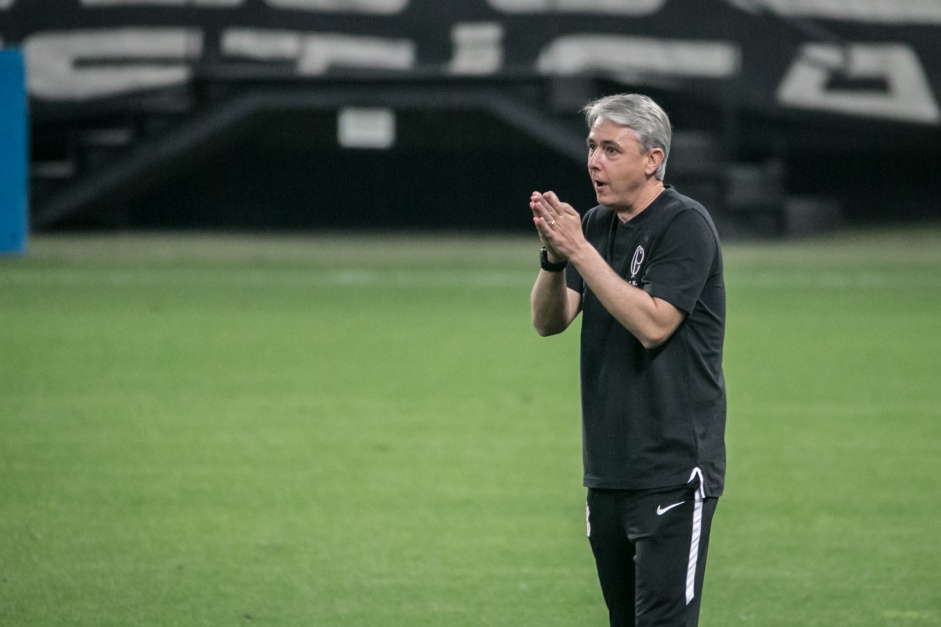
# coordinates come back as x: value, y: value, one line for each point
x: 337, y: 431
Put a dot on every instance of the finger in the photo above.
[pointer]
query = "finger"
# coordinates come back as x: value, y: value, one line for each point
x: 558, y: 207
x: 552, y: 199
x: 544, y: 231
x: 555, y: 207
x: 566, y: 209
x: 542, y: 208
x: 541, y: 216
x: 550, y: 205
x: 537, y: 204
x: 548, y: 219
x: 547, y: 222
x: 539, y: 209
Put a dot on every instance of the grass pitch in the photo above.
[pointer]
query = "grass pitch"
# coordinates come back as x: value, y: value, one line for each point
x: 226, y: 430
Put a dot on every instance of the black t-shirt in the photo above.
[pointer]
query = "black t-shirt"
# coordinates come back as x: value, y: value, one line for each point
x: 651, y: 417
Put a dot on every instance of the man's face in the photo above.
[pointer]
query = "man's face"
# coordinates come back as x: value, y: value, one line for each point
x: 618, y: 167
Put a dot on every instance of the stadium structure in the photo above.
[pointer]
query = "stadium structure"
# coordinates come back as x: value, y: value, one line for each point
x: 790, y: 116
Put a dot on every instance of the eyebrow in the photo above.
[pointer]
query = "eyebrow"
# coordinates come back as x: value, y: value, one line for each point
x: 605, y: 143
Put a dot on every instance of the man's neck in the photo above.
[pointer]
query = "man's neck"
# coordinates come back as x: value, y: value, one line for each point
x: 650, y: 194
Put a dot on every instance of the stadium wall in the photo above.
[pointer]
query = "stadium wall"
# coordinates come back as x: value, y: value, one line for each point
x: 446, y: 113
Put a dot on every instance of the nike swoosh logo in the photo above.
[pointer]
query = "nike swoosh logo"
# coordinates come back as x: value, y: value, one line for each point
x: 663, y: 510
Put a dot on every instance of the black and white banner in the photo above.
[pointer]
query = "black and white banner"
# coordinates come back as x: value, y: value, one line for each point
x: 868, y: 59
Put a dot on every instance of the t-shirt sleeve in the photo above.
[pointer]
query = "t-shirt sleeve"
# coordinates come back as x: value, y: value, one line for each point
x: 682, y: 261
x: 574, y: 280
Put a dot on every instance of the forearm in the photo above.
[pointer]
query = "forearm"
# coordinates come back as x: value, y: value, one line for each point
x: 650, y: 320
x: 549, y: 303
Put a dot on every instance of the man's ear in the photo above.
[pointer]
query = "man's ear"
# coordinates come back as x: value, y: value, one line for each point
x: 654, y: 159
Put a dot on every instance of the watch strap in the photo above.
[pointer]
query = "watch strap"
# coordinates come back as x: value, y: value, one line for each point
x: 549, y: 266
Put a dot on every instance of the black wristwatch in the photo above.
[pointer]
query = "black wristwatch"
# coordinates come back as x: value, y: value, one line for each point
x: 547, y: 265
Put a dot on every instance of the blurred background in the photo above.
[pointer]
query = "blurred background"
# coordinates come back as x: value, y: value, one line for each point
x: 206, y: 422
x: 790, y: 116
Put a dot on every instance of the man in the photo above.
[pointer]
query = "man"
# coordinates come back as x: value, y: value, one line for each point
x: 644, y: 268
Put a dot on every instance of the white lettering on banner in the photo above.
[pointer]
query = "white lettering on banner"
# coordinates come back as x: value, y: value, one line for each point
x: 322, y: 52
x: 177, y: 3
x: 632, y: 56
x: 385, y: 7
x: 54, y: 61
x: 262, y: 45
x: 613, y: 7
x: 908, y: 96
x: 316, y: 54
x: 877, y: 11
x: 478, y: 48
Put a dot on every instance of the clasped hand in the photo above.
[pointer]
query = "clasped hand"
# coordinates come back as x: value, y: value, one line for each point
x: 558, y: 224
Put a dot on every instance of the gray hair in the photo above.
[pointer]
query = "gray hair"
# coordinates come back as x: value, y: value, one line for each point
x: 641, y: 114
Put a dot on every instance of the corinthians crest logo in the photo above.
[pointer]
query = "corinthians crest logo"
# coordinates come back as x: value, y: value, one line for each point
x: 636, y: 262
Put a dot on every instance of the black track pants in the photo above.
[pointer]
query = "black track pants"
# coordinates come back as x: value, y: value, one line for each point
x: 650, y: 550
